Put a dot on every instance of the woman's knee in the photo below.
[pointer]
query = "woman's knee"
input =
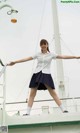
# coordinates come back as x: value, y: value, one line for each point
x: 33, y: 92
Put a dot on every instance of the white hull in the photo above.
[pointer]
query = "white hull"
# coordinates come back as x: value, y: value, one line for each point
x: 44, y: 123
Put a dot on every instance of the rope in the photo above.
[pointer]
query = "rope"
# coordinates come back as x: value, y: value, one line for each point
x: 72, y: 53
x: 42, y: 16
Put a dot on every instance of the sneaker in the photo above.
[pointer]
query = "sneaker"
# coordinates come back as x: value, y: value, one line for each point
x: 25, y: 114
x: 65, y: 111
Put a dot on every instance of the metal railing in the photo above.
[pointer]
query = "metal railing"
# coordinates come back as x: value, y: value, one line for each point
x: 40, y: 106
x: 3, y: 73
x: 4, y: 104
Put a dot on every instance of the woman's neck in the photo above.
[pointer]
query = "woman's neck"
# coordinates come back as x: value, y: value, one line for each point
x: 44, y: 51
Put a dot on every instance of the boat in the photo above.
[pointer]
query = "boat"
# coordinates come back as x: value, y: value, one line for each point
x: 49, y: 118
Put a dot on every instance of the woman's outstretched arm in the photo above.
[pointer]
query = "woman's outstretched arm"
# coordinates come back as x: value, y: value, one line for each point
x: 67, y: 57
x: 19, y: 61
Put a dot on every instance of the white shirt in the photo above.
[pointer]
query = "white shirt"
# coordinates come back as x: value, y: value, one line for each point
x: 44, y: 61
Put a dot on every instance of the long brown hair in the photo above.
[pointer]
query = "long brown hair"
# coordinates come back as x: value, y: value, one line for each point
x: 44, y: 41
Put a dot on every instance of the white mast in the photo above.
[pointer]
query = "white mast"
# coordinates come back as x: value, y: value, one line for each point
x: 60, y: 73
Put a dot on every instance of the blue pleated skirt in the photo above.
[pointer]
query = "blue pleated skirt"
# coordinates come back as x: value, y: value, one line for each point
x: 40, y: 79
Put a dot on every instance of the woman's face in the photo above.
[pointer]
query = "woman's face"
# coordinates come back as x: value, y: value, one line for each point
x: 44, y: 46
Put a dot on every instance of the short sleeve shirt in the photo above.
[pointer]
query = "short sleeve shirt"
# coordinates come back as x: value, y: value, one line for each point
x: 44, y: 62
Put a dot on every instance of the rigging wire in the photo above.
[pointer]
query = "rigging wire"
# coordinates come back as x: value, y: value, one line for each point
x: 49, y: 44
x: 38, y: 37
x: 64, y: 44
x: 42, y: 16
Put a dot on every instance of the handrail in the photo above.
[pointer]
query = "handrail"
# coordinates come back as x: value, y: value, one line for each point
x: 2, y: 71
x: 1, y: 62
x: 42, y: 100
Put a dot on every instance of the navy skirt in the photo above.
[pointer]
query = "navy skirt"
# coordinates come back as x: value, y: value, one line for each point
x: 40, y: 79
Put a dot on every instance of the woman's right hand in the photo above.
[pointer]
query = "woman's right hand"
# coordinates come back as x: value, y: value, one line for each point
x: 11, y: 63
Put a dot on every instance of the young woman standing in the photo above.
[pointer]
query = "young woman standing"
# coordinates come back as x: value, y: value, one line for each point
x: 41, y: 78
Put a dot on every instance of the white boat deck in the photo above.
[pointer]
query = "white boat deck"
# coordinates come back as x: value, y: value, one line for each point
x: 43, y: 123
x: 42, y: 118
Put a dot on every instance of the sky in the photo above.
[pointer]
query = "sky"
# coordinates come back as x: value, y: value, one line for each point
x: 20, y: 40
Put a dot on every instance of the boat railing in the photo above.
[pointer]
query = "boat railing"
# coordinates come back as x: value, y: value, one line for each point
x: 40, y: 106
x: 3, y: 126
x: 3, y: 96
x: 43, y: 106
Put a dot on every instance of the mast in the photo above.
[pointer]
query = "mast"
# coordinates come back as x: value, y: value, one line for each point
x: 59, y: 63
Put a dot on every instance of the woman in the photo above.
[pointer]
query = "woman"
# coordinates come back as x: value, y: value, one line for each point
x: 41, y: 79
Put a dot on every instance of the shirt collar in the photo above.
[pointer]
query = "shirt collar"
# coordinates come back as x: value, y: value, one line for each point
x: 45, y: 53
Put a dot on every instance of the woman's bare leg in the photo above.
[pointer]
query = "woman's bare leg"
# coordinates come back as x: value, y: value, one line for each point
x: 32, y: 96
x: 56, y: 98
x: 54, y: 95
x: 31, y: 100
